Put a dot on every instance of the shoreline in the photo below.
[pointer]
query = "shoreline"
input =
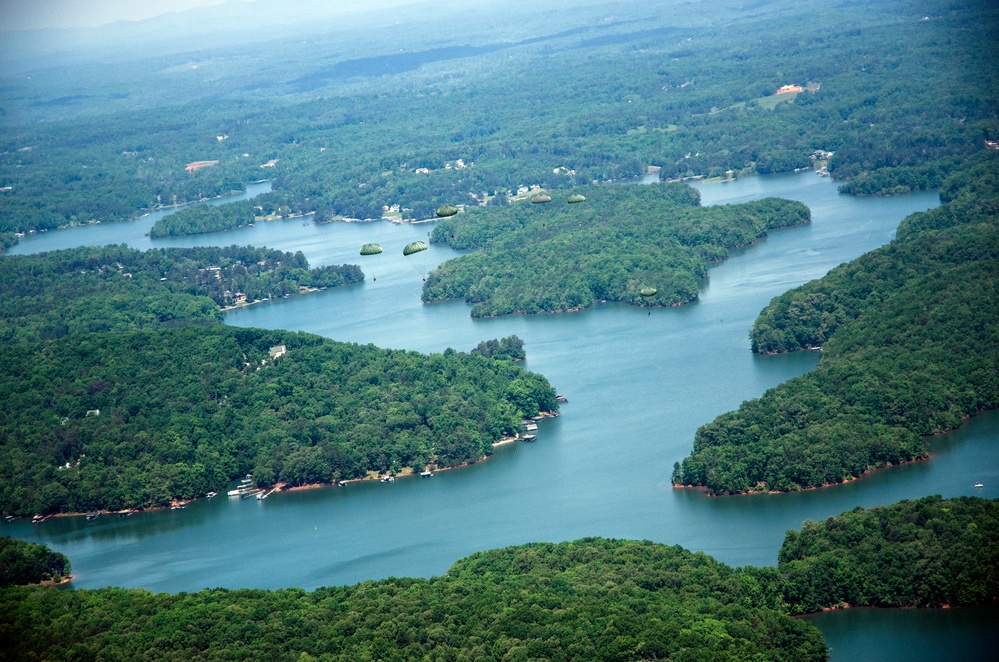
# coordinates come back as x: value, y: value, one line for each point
x: 844, y: 606
x: 283, y: 487
x: 279, y: 487
x: 307, y: 290
x: 866, y: 472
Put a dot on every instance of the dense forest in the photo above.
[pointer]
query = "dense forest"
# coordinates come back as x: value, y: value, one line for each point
x: 592, y: 599
x: 929, y: 552
x: 122, y: 420
x: 202, y: 219
x: 511, y: 348
x: 898, y: 92
x: 908, y: 335
x: 645, y: 245
x: 30, y: 563
x: 116, y: 288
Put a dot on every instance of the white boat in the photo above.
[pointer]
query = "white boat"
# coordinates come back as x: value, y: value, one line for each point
x: 530, y: 437
x: 211, y: 494
x: 979, y: 485
x: 531, y: 428
x: 427, y: 474
x: 235, y: 492
x: 388, y: 479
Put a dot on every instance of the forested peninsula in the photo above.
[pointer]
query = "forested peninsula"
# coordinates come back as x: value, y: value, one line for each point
x: 116, y: 288
x: 115, y: 420
x: 126, y: 391
x: 644, y: 245
x: 908, y: 336
x: 30, y: 563
x: 593, y: 599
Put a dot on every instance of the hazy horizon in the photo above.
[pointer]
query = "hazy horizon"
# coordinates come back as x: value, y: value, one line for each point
x: 28, y: 15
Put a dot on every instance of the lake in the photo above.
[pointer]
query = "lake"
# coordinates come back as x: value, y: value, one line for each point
x: 638, y: 385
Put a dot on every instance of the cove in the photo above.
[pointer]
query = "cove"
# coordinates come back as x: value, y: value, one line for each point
x: 638, y: 385
x: 133, y: 233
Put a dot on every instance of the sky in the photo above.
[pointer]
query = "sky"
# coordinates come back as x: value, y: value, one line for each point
x: 38, y: 14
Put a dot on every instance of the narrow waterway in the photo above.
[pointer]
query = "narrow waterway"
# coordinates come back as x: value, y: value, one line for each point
x: 639, y: 385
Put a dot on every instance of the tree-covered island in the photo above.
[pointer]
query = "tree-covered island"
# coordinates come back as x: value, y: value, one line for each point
x: 591, y: 599
x: 909, y: 336
x: 644, y: 245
